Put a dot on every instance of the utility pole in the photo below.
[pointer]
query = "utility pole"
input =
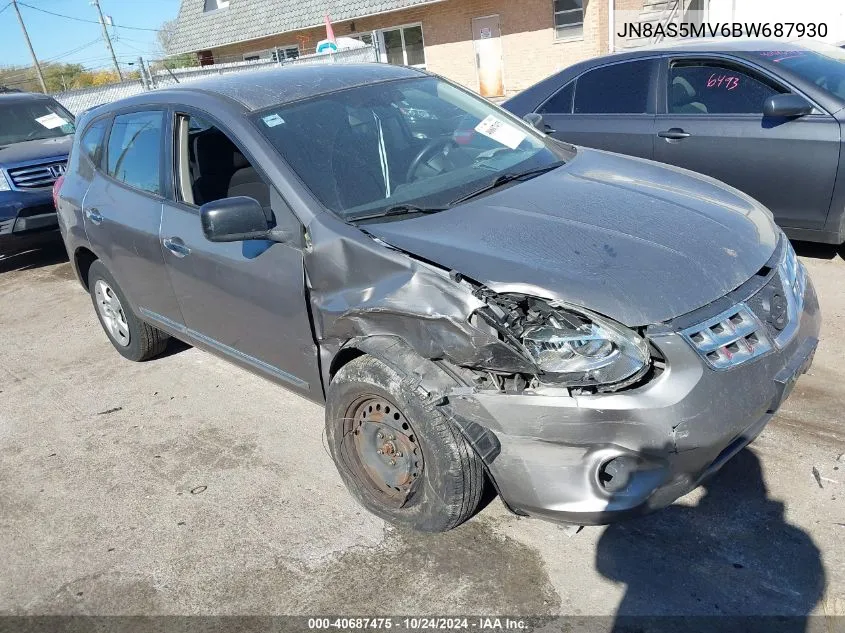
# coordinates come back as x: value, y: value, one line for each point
x: 31, y: 51
x: 143, y: 74
x: 96, y: 3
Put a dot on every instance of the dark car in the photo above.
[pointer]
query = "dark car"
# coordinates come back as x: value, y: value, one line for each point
x: 507, y: 307
x: 35, y: 137
x: 766, y: 119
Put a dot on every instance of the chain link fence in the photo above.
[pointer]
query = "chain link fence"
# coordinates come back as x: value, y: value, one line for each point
x: 78, y: 101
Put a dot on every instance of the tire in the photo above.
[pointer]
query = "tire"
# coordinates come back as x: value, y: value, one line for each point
x: 141, y: 341
x: 436, y: 493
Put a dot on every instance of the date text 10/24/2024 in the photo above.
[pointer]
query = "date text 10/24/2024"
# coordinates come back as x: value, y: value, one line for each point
x: 418, y: 623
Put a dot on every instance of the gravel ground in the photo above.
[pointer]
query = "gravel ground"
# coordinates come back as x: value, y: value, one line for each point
x: 187, y: 486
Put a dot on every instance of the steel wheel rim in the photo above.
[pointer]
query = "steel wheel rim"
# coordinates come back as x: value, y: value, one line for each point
x: 112, y: 313
x: 382, y: 449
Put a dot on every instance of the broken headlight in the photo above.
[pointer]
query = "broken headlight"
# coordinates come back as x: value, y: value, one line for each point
x: 584, y: 349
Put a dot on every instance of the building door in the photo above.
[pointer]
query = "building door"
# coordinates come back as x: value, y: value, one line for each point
x: 487, y: 37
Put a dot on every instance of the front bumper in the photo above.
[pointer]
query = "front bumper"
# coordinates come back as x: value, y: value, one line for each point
x: 676, y: 430
x: 27, y: 218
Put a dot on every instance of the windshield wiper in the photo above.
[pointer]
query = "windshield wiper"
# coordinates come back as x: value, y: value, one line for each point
x: 399, y: 209
x: 504, y: 179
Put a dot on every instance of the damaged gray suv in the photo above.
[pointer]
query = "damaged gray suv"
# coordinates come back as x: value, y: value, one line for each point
x: 474, y: 302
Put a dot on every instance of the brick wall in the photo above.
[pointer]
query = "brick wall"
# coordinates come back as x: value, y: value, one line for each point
x: 530, y: 50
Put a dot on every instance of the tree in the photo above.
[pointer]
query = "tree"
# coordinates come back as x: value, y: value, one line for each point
x: 166, y: 36
x: 58, y: 77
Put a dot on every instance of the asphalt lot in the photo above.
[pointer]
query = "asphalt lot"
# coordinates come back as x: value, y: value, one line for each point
x: 186, y: 485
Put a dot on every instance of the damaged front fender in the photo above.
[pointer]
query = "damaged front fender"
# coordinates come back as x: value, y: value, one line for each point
x: 359, y: 290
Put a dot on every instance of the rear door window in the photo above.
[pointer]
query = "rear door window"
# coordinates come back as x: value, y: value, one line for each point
x: 91, y: 144
x: 560, y: 102
x: 135, y: 148
x: 616, y: 89
x: 709, y: 87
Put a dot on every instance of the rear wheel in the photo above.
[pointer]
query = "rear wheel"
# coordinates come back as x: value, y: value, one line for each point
x: 130, y: 336
x: 403, y: 461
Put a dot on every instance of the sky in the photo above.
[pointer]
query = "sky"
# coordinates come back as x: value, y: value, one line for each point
x: 71, y: 41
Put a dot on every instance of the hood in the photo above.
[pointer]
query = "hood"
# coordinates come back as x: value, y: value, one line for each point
x: 637, y: 241
x: 32, y: 151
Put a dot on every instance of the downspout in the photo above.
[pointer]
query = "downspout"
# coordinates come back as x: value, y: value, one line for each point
x: 611, y: 26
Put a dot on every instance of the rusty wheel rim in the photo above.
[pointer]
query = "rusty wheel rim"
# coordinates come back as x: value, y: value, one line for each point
x: 383, y: 450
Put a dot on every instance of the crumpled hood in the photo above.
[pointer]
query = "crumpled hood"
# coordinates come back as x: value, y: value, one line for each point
x: 15, y: 153
x: 635, y: 240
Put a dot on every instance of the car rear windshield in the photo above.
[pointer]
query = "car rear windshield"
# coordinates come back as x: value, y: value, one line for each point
x: 31, y: 120
x: 421, y: 142
x: 822, y: 65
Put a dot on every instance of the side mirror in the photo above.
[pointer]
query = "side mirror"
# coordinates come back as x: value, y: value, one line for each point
x: 234, y: 219
x: 535, y: 120
x: 786, y: 105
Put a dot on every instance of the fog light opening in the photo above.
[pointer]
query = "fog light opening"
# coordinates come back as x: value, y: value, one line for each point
x: 616, y: 474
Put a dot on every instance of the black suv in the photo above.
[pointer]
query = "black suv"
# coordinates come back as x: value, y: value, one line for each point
x: 36, y: 134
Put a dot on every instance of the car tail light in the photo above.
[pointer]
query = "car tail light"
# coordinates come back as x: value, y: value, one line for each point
x: 56, y: 186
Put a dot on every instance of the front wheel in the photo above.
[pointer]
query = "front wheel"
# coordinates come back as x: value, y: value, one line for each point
x: 130, y: 336
x: 403, y: 462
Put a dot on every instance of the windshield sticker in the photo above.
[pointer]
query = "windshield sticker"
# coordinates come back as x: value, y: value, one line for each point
x: 52, y: 120
x: 272, y: 120
x: 501, y: 132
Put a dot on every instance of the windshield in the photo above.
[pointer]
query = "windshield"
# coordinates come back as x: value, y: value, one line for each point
x: 420, y: 142
x: 821, y: 64
x: 31, y: 120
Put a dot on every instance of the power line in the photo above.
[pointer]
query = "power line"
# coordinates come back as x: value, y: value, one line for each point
x: 8, y: 4
x: 66, y: 54
x: 70, y: 17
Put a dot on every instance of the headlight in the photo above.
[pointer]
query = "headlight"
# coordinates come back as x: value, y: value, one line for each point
x: 583, y: 348
x: 4, y: 184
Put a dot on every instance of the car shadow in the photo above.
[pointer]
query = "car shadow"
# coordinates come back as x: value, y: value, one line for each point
x: 818, y: 251
x: 174, y: 346
x: 33, y: 258
x: 733, y: 554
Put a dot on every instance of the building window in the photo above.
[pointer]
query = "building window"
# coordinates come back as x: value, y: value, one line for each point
x: 569, y: 19
x: 403, y: 46
x: 213, y: 5
x: 282, y: 53
x: 367, y: 38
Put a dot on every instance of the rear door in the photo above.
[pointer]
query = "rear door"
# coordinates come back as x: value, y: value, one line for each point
x: 712, y: 122
x: 610, y: 107
x: 122, y: 212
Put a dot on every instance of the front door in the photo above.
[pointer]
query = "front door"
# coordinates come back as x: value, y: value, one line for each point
x: 487, y: 37
x: 122, y: 212
x: 714, y: 125
x: 243, y: 300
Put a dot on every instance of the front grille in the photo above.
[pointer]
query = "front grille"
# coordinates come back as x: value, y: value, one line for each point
x: 751, y: 328
x: 729, y: 339
x: 37, y: 176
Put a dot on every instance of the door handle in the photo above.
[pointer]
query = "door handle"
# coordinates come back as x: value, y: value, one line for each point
x: 674, y: 134
x: 176, y: 246
x: 94, y: 216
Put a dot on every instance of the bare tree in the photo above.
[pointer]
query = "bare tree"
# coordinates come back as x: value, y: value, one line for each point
x: 166, y: 36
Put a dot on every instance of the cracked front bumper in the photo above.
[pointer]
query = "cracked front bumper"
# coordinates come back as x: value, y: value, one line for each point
x: 678, y: 429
